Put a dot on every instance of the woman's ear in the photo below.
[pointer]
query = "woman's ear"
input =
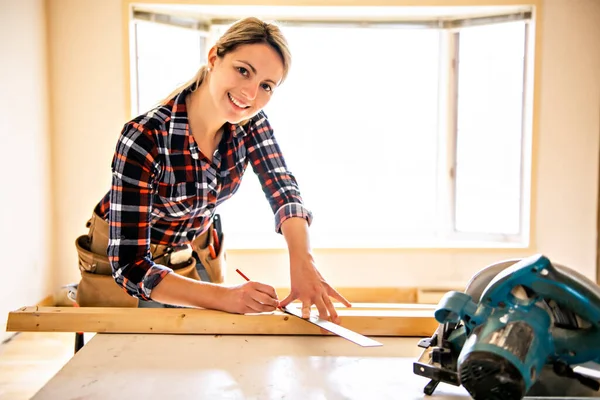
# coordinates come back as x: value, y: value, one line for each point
x: 212, y: 57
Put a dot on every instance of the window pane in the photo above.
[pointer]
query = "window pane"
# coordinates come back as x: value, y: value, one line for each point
x: 167, y: 56
x: 357, y: 121
x: 489, y: 136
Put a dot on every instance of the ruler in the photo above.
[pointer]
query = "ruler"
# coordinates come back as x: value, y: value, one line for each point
x: 333, y: 328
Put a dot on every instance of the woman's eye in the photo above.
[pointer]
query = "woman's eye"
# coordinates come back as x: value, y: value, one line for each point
x: 266, y: 87
x: 243, y: 71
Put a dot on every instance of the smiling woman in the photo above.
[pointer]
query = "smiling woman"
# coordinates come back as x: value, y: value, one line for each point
x: 236, y: 91
x: 176, y: 163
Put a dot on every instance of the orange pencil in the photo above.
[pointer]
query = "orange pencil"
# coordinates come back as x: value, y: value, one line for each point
x: 211, y: 249
x: 216, y: 239
x: 242, y: 274
x: 248, y: 279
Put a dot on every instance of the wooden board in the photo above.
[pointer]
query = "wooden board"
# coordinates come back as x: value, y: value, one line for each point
x: 403, y: 295
x: 432, y: 295
x: 202, y: 367
x: 398, y: 320
x: 124, y: 366
x: 377, y: 294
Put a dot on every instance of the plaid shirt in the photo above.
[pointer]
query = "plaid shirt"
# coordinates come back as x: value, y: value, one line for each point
x: 165, y: 191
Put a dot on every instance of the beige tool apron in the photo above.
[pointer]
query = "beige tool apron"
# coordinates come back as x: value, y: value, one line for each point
x: 98, y: 288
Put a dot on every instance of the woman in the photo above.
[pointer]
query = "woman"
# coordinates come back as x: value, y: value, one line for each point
x: 175, y: 164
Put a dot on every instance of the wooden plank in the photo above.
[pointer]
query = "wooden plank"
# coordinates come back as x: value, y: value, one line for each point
x: 432, y: 295
x: 370, y: 294
x: 384, y: 306
x: 377, y: 295
x: 371, y: 322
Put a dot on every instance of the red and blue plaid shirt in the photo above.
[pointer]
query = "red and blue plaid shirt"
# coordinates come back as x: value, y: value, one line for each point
x: 165, y: 191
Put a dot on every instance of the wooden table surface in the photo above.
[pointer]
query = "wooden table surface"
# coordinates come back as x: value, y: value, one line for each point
x: 157, y: 366
x: 152, y: 366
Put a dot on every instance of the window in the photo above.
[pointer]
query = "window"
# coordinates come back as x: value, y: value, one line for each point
x: 489, y: 129
x: 399, y: 137
x: 165, y: 57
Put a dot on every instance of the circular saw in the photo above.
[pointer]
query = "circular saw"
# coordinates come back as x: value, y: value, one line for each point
x: 524, y: 327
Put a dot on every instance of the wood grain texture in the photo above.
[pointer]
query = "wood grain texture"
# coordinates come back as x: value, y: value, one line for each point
x: 401, y: 320
x: 29, y: 360
x: 377, y: 294
x: 207, y: 367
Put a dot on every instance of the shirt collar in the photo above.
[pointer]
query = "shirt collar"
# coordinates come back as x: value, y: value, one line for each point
x: 179, y: 107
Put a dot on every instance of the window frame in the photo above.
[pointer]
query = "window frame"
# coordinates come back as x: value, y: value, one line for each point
x: 522, y: 237
x: 448, y: 236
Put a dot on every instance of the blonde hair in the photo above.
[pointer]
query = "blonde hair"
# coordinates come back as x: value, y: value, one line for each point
x: 249, y: 30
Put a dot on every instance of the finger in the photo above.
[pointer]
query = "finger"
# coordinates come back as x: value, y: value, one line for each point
x: 264, y: 298
x: 306, y: 309
x: 331, y: 309
x: 256, y: 306
x: 333, y: 293
x: 267, y: 289
x: 323, y: 314
x: 290, y: 297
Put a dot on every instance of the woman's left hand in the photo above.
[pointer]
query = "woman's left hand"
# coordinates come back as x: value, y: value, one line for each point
x: 309, y: 286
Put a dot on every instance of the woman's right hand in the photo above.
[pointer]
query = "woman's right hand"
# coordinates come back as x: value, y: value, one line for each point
x: 250, y: 297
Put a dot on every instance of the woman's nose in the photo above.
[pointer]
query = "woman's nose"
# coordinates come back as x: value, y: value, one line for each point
x: 250, y: 90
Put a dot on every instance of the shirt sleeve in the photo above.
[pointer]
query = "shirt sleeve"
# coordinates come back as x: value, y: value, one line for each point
x: 134, y: 169
x: 278, y: 184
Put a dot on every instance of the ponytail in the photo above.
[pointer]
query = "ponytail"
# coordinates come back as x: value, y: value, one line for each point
x: 197, y: 79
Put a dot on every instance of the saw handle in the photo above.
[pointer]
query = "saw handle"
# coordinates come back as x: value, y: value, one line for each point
x: 545, y: 281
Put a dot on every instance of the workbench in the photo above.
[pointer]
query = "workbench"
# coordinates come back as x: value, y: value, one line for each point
x: 150, y: 366
x: 257, y: 367
x: 207, y: 354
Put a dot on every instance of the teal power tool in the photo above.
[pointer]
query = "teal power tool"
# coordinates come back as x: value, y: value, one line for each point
x: 521, y: 328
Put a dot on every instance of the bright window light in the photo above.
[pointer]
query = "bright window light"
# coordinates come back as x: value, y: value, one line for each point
x: 166, y: 56
x: 362, y: 126
x: 489, y: 134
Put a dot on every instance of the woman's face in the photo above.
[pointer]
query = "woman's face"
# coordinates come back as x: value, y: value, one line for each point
x: 242, y: 82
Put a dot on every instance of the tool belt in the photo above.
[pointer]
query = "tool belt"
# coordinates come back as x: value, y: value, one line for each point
x: 98, y: 288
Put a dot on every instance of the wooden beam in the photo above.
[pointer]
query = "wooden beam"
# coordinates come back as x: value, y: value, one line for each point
x: 370, y: 294
x: 356, y: 295
x: 433, y: 295
x: 380, y: 306
x: 392, y: 321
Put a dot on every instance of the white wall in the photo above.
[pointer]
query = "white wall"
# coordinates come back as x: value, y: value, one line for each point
x: 570, y: 129
x: 86, y: 76
x: 25, y: 200
x: 87, y: 80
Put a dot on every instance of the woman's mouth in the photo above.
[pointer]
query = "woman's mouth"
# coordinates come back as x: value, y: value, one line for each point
x: 237, y: 103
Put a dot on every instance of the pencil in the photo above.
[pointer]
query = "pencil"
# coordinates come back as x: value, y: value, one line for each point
x: 246, y: 278
x: 242, y: 274
x: 216, y: 239
x: 211, y: 249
